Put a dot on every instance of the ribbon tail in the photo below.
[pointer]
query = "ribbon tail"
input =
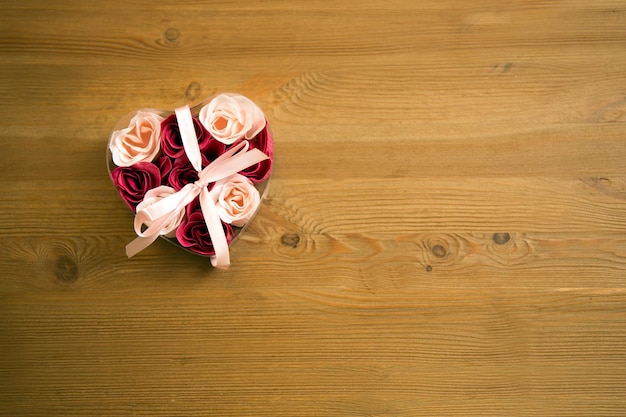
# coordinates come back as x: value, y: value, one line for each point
x: 139, y: 244
x: 221, y: 259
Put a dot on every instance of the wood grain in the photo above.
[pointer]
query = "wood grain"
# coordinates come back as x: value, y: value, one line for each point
x: 444, y: 234
x: 339, y: 352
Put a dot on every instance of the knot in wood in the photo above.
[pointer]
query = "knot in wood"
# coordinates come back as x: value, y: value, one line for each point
x: 501, y: 238
x: 290, y: 239
x: 439, y: 251
x: 171, y: 34
x: 65, y: 269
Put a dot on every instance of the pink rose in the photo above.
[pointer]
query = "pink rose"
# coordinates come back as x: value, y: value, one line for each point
x: 133, y: 182
x: 261, y: 171
x: 230, y: 117
x: 193, y: 234
x: 154, y: 195
x: 139, y: 142
x: 173, y: 142
x: 237, y: 199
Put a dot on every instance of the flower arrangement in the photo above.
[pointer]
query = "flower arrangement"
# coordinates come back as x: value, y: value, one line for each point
x: 195, y: 177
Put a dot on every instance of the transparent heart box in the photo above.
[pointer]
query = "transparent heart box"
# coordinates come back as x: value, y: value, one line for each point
x: 170, y: 166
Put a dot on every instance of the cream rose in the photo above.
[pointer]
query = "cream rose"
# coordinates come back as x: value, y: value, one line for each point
x: 230, y: 117
x: 157, y: 194
x: 237, y: 199
x: 139, y: 142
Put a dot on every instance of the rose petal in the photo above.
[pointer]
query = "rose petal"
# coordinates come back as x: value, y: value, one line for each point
x: 262, y: 170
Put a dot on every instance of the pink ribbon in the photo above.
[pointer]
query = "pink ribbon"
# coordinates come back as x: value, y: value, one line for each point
x: 161, y: 213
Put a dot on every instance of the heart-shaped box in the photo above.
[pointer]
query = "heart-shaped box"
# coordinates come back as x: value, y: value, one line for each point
x: 194, y: 176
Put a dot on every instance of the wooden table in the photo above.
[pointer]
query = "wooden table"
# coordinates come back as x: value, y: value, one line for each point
x: 444, y: 235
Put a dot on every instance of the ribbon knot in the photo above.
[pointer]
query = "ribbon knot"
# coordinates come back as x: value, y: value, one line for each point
x: 201, y: 183
x: 161, y: 213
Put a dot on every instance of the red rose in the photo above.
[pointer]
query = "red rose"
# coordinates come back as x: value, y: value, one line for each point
x: 134, y: 181
x: 172, y: 142
x: 183, y: 172
x: 193, y: 233
x: 261, y: 171
x: 213, y: 150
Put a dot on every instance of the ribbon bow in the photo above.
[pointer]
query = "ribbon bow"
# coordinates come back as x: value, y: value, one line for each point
x: 159, y: 214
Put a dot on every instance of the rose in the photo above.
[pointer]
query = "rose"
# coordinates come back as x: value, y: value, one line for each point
x: 183, y: 172
x: 261, y: 171
x: 154, y: 195
x: 230, y: 117
x: 214, y: 149
x: 173, y: 142
x: 237, y: 199
x: 139, y: 142
x: 133, y: 182
x: 192, y: 233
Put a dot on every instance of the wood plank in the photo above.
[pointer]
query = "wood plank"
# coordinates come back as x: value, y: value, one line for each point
x: 557, y: 233
x: 385, y: 207
x: 308, y: 152
x: 340, y: 352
